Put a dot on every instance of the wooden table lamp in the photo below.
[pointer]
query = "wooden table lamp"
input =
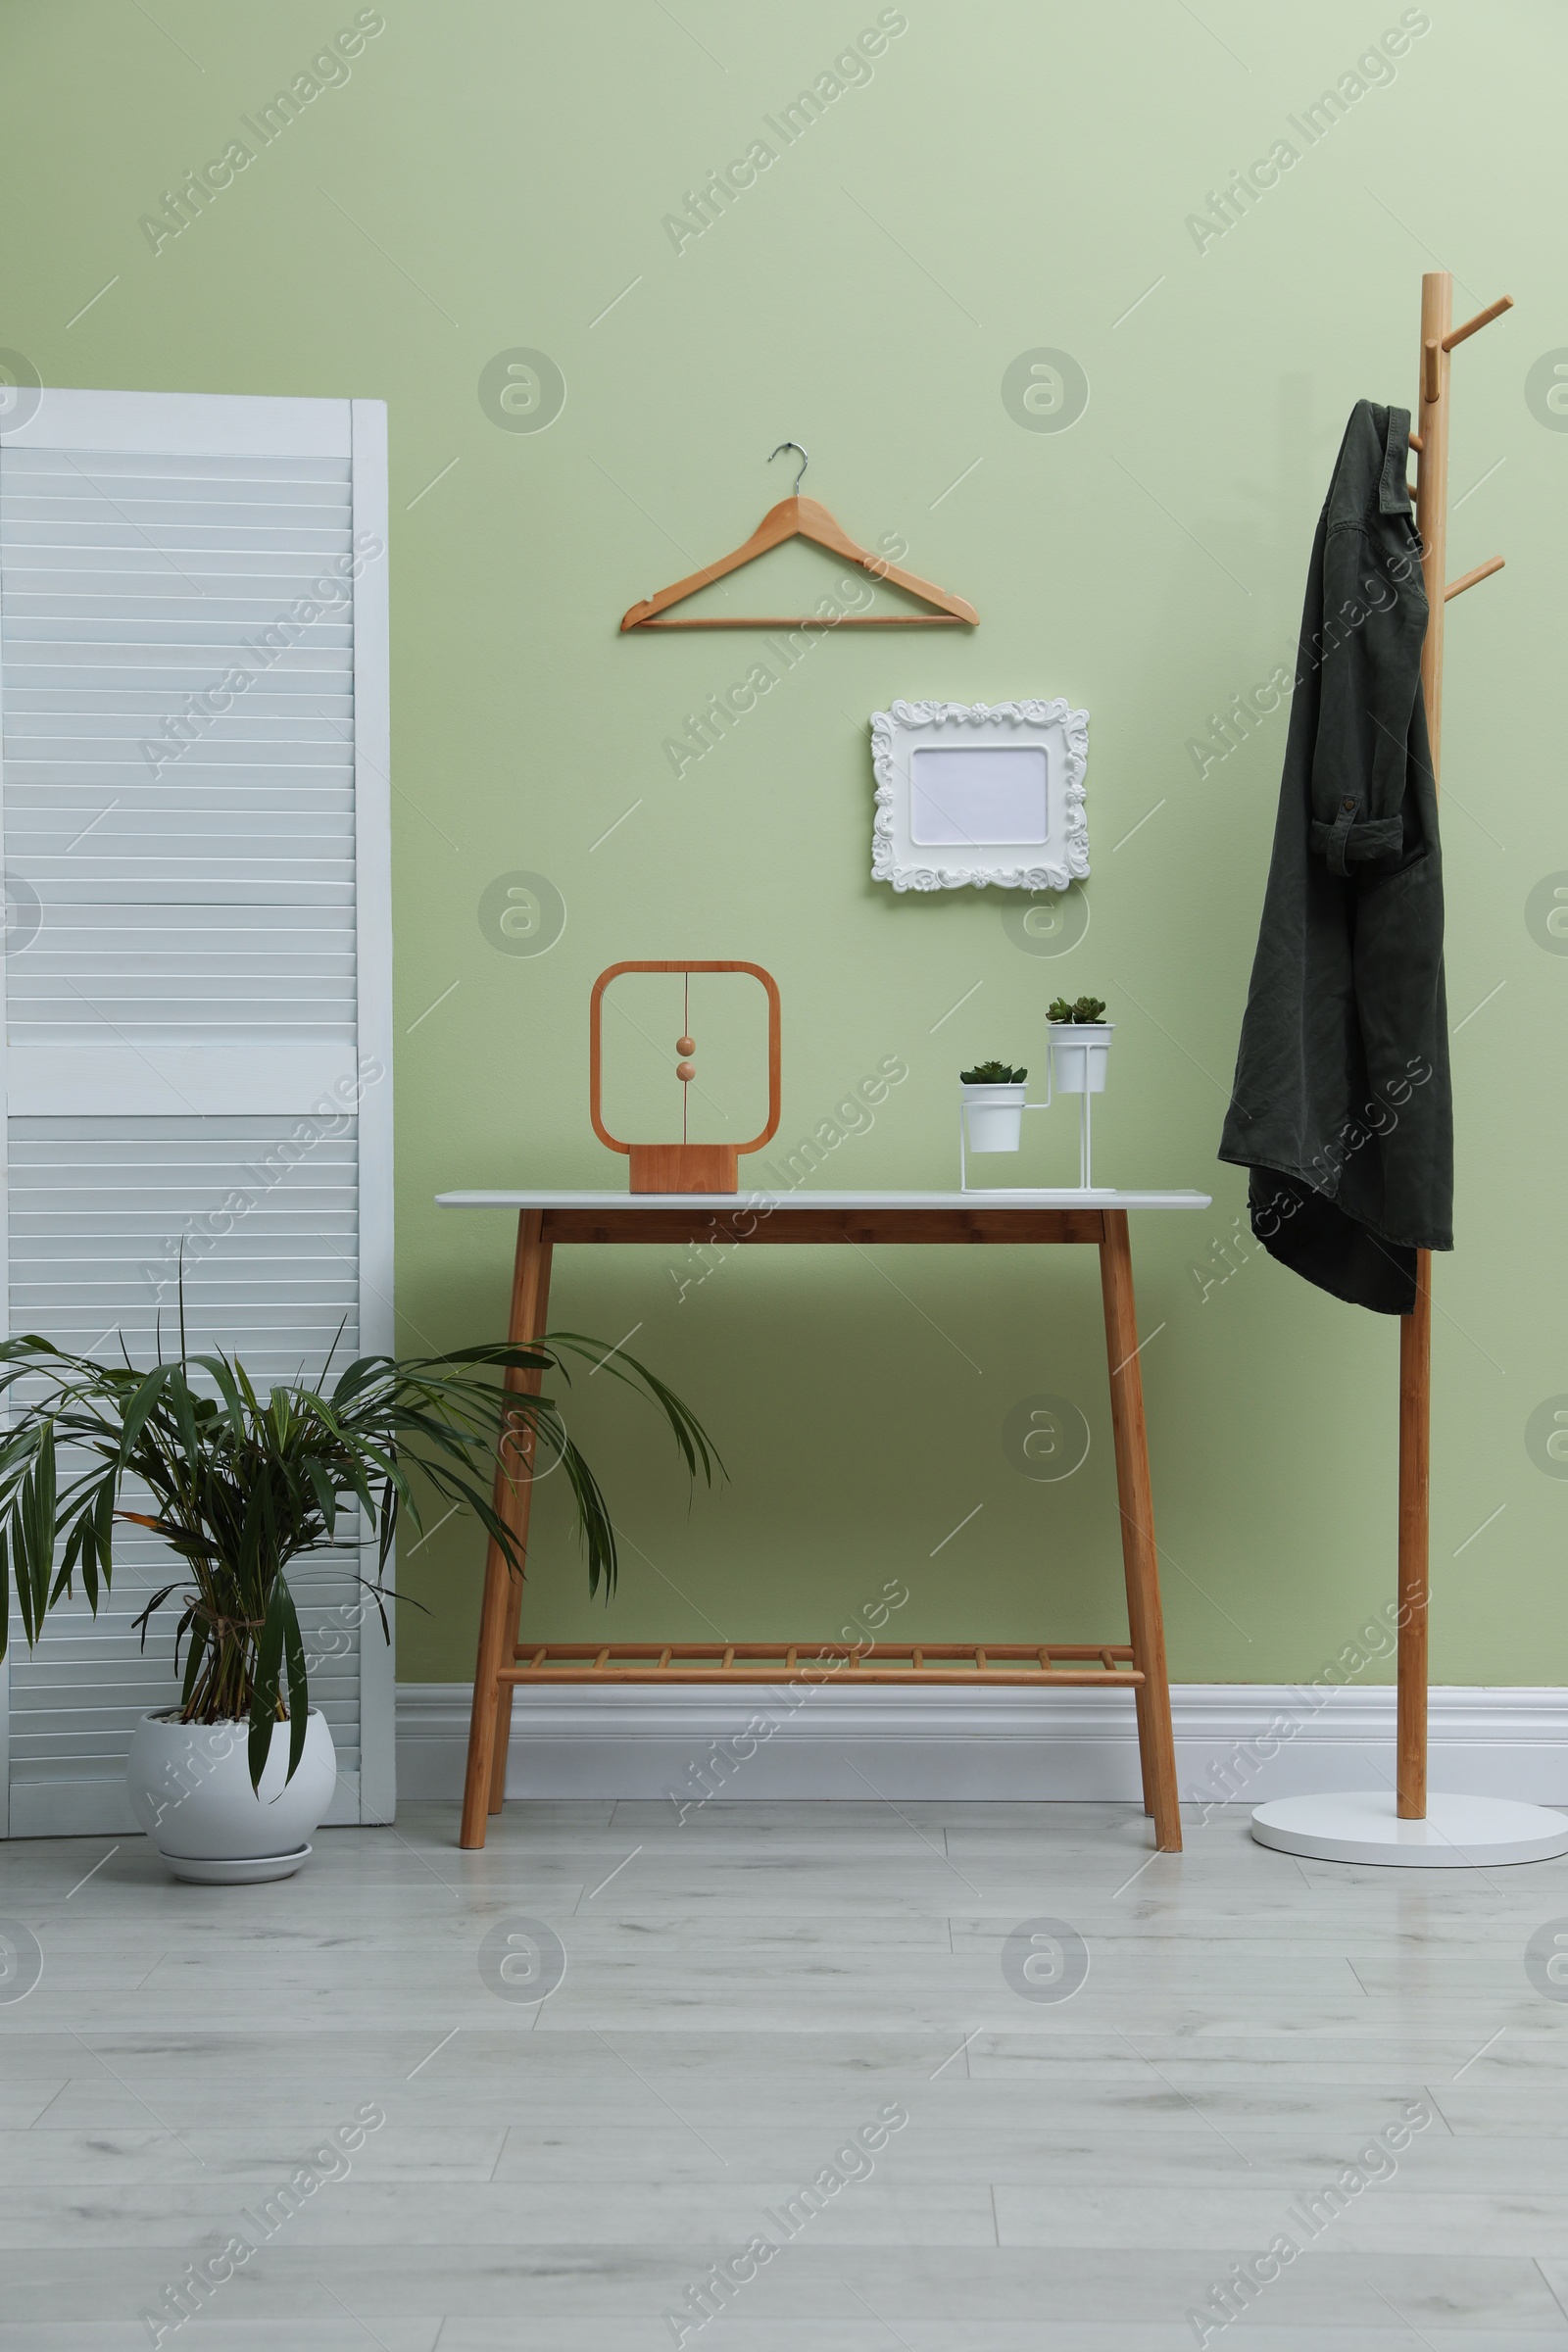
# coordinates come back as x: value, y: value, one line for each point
x: 684, y: 1167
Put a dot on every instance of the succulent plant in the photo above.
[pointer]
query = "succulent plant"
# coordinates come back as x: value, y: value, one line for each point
x: 1087, y: 1008
x: 993, y: 1073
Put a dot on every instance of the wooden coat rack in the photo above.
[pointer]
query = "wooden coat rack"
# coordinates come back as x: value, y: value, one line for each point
x: 1440, y: 1829
x: 1431, y: 444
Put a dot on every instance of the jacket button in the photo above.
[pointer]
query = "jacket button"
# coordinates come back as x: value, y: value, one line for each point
x: 1347, y: 805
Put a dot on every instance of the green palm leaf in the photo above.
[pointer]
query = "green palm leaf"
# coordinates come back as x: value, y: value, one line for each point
x: 241, y: 1487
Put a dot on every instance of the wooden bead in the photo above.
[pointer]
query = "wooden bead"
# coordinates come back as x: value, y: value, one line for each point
x: 685, y: 1045
x: 685, y: 1071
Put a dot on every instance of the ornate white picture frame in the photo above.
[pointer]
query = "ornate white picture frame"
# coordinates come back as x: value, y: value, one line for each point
x: 972, y: 794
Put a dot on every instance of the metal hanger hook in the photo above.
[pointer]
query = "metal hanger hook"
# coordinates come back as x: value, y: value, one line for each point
x: 805, y: 461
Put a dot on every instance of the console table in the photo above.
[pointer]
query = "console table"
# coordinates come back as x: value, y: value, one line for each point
x: 546, y: 1218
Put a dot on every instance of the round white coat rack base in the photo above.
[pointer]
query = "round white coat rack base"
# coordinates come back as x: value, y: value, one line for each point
x: 1459, y: 1833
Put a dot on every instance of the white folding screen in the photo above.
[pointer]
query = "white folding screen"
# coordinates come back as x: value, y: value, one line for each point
x: 197, y: 984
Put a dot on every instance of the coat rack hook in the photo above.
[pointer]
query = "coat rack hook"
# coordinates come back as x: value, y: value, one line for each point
x: 1473, y: 326
x: 1468, y: 579
x: 805, y: 461
x: 1431, y: 379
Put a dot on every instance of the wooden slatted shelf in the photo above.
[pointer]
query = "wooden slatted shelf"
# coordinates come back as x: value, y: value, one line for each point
x: 997, y: 1662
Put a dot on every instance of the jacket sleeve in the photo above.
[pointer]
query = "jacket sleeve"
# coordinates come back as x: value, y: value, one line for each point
x: 1369, y: 652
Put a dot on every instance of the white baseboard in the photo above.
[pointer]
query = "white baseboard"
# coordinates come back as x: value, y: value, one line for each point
x: 1242, y: 1741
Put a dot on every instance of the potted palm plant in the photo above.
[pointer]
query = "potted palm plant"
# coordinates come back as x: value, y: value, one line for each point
x: 232, y: 1784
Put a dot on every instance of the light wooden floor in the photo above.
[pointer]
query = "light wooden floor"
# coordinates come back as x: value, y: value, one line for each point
x: 742, y: 1991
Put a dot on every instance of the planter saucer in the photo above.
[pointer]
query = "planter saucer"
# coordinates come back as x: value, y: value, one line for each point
x: 247, y: 1873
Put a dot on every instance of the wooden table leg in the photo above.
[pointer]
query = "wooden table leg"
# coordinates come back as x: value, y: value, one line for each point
x: 490, y: 1725
x: 530, y: 1314
x: 1145, y: 1616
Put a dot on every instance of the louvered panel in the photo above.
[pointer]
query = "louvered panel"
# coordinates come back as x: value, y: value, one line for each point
x: 189, y: 464
x: 309, y: 791
x: 79, y: 576
x: 112, y: 619
x: 76, y: 1703
x: 102, y: 559
x: 108, y: 706
x: 98, y: 1210
x: 131, y: 561
x: 88, y: 767
x: 192, y: 714
x: 103, y: 521
x: 82, y: 762
x: 164, y: 656
x: 193, y: 968
x: 152, y: 473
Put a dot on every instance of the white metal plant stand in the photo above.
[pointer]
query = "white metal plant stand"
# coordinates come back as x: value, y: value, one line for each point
x: 1085, y: 1182
x: 1086, y: 1065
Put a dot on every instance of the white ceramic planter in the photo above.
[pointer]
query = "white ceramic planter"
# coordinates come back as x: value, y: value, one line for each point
x: 1080, y: 1052
x: 190, y: 1790
x: 995, y: 1116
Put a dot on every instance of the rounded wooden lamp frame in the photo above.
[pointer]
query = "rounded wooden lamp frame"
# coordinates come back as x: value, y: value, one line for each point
x: 684, y: 1167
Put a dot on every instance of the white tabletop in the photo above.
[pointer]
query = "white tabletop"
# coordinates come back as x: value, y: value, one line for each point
x: 1023, y: 1202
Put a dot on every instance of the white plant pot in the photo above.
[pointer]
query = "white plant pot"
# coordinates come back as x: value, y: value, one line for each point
x: 190, y: 1790
x: 1080, y: 1052
x: 994, y: 1116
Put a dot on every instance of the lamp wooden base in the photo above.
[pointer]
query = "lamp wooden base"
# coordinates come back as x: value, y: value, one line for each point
x: 684, y: 1168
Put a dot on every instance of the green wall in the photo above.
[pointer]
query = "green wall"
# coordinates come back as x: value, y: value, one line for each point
x: 1008, y: 176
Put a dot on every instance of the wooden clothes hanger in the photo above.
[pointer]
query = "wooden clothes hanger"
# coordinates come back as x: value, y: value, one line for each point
x: 798, y: 518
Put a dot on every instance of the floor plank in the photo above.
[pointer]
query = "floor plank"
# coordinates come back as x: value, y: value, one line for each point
x: 804, y: 2023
